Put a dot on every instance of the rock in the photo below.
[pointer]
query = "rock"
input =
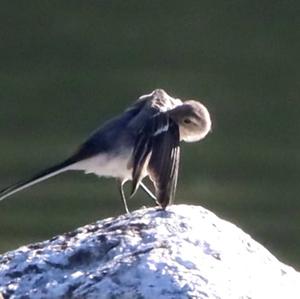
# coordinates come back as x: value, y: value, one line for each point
x: 184, y: 252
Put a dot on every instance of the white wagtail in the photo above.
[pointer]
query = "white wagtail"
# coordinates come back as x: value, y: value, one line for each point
x: 143, y: 141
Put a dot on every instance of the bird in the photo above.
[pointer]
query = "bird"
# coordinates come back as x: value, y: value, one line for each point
x: 143, y: 141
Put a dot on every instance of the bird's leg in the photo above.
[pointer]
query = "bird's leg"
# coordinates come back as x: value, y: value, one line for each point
x: 121, y: 190
x: 145, y: 188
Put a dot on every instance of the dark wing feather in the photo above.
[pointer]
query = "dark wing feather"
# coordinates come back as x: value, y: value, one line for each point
x: 142, y: 152
x: 164, y: 164
x: 143, y: 147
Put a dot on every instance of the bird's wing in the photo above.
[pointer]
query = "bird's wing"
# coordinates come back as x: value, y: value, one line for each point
x: 149, y: 106
x: 131, y: 121
x: 164, y: 163
x: 145, y: 141
x: 157, y: 151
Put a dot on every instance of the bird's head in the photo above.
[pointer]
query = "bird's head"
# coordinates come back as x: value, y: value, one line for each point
x: 193, y: 120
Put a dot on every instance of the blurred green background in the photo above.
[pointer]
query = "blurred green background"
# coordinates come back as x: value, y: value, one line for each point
x: 68, y: 66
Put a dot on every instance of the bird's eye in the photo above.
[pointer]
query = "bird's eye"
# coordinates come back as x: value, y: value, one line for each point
x: 187, y: 121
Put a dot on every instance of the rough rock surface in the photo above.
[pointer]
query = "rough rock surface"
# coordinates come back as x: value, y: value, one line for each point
x: 184, y: 252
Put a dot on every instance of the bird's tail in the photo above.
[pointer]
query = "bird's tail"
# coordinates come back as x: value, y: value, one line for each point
x: 39, y: 177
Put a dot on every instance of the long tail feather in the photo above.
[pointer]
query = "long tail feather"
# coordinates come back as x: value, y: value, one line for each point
x: 39, y: 177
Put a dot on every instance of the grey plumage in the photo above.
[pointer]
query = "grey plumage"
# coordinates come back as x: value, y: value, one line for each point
x: 142, y: 141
